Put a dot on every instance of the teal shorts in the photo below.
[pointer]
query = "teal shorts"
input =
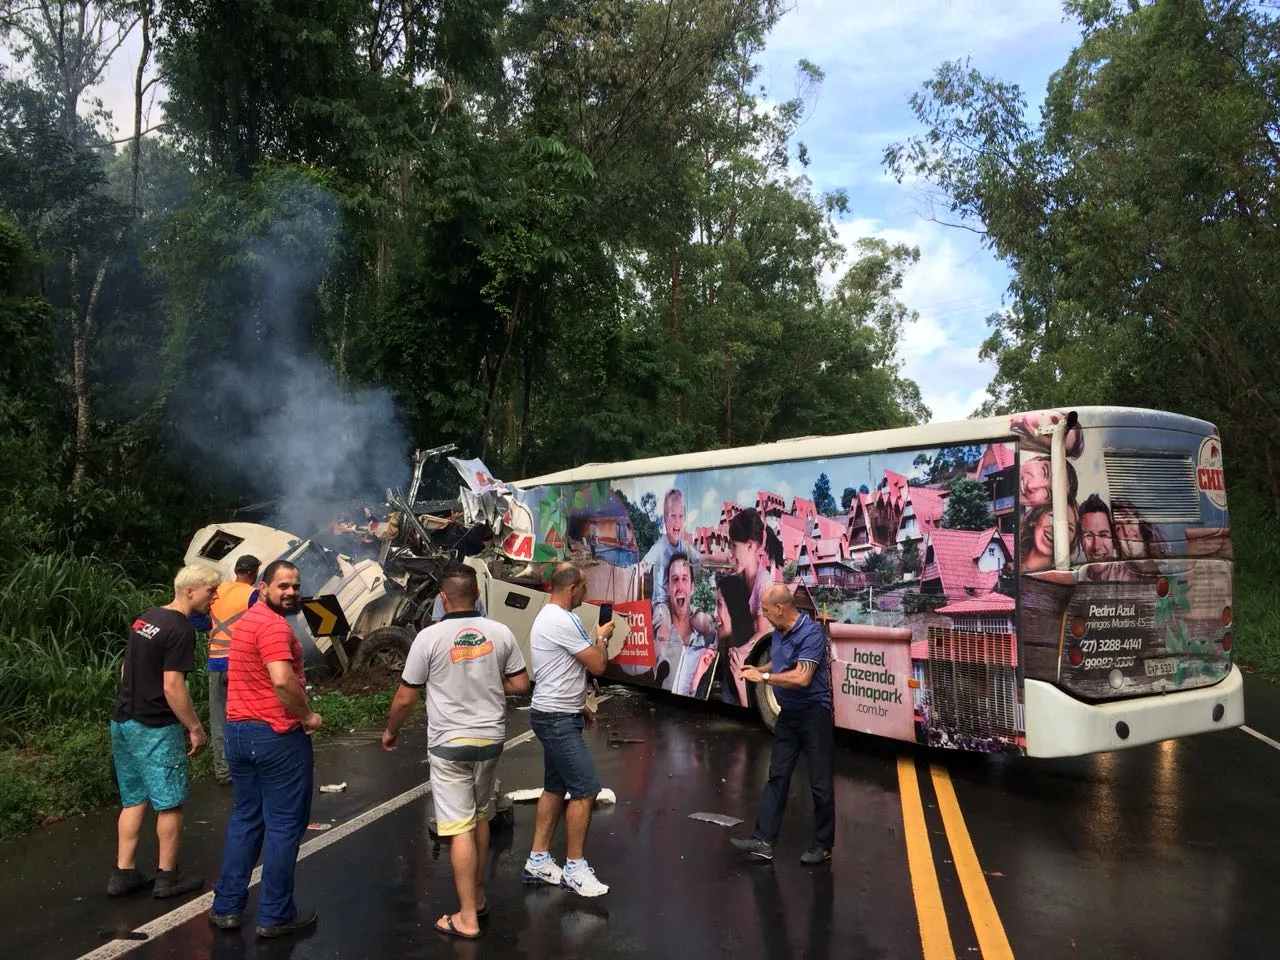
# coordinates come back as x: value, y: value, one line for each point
x: 151, y: 764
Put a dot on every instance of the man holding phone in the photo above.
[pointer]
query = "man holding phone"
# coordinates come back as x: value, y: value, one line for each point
x: 563, y: 654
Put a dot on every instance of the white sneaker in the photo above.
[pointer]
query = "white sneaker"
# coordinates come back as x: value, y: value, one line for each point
x: 547, y: 873
x: 583, y: 882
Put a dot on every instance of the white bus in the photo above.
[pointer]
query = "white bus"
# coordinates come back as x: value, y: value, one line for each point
x: 1052, y: 583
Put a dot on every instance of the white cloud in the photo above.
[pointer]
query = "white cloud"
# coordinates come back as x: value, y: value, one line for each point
x: 875, y: 56
x: 952, y: 289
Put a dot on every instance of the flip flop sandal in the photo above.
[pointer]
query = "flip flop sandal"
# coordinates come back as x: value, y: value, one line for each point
x: 482, y: 912
x: 453, y: 931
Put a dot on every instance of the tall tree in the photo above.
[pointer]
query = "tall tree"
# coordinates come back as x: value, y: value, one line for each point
x: 1138, y: 215
x: 967, y: 506
x: 823, y: 501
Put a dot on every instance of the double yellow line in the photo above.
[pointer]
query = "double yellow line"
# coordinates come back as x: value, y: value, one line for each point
x: 935, y: 934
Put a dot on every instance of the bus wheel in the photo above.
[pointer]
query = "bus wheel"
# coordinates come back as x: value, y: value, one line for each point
x: 386, y: 647
x: 766, y: 704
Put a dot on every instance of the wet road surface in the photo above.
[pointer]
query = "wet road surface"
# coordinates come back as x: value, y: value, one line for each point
x: 1163, y: 851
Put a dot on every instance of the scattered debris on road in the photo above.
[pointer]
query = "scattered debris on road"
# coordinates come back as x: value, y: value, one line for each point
x: 722, y: 819
x: 333, y: 787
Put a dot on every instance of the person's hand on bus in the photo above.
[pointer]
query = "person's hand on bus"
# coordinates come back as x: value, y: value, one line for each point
x: 751, y: 674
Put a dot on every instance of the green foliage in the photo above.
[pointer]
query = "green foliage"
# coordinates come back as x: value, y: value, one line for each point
x: 823, y: 501
x: 1255, y: 536
x: 913, y: 601
x: 80, y: 763
x: 911, y: 556
x: 967, y: 506
x: 1135, y: 216
x: 645, y: 522
x: 19, y: 797
x: 345, y: 712
x: 947, y: 464
x: 883, y: 567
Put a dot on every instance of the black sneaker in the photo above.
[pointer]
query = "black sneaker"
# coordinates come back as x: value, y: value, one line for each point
x: 126, y: 881
x: 224, y: 921
x: 814, y: 856
x: 174, y: 883
x: 305, y: 920
x: 760, y: 849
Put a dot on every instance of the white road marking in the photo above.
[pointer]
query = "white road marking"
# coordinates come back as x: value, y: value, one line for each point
x: 201, y: 904
x: 1261, y: 736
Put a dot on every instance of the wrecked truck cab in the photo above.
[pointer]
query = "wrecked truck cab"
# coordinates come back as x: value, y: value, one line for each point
x: 369, y: 601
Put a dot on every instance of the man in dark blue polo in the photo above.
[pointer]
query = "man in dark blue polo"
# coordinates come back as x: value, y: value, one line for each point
x: 799, y: 670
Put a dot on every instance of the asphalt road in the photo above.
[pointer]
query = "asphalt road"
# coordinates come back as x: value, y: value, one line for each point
x: 1164, y: 851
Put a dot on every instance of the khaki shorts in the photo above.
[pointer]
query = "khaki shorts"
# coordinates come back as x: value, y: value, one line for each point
x: 462, y: 789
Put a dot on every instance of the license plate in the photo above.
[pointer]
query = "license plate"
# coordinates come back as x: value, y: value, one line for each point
x: 1160, y: 668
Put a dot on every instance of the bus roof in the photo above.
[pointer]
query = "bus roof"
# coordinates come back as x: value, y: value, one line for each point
x: 875, y: 441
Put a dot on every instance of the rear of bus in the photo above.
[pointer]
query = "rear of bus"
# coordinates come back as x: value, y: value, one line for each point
x: 1125, y: 585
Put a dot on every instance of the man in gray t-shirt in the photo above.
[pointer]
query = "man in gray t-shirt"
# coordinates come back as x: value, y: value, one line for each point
x: 562, y: 654
x: 469, y: 665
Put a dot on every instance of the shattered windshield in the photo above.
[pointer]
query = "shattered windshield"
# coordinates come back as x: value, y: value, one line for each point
x: 315, y: 566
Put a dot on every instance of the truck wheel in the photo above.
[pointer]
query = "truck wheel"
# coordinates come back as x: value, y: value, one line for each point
x: 766, y: 704
x: 386, y: 647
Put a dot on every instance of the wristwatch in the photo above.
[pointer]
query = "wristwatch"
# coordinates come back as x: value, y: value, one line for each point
x: 765, y: 677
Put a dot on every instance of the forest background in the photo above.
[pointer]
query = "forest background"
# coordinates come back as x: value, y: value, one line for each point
x: 552, y: 232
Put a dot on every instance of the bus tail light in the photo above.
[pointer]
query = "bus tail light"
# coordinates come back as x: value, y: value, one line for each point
x: 1226, y: 616
x: 1162, y: 587
x: 1077, y: 627
x: 1075, y: 656
x: 1226, y: 643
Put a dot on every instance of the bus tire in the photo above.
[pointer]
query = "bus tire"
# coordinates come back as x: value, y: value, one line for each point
x: 385, y: 647
x: 766, y: 705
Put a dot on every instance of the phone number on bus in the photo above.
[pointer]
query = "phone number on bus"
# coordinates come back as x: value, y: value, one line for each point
x: 1106, y: 663
x: 1110, y: 645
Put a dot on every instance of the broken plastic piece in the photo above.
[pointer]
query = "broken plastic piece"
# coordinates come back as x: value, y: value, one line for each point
x: 523, y: 796
x: 319, y: 826
x: 616, y: 739
x: 604, y: 797
x: 334, y: 787
x: 722, y: 819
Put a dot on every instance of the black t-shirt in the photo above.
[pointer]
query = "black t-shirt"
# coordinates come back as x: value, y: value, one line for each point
x: 160, y: 640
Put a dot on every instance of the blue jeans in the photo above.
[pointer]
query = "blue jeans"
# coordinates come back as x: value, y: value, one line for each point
x: 272, y: 775
x: 567, y: 766
x: 807, y: 730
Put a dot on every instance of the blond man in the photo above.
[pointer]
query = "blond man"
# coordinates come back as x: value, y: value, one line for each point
x: 148, y: 747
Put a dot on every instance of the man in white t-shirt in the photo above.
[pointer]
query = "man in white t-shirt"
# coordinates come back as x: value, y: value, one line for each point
x: 562, y: 654
x: 469, y: 665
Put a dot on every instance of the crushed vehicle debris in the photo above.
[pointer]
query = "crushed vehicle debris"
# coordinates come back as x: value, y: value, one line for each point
x: 368, y: 598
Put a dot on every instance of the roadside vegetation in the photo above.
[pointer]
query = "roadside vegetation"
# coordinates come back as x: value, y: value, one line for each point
x: 501, y: 229
x: 63, y: 621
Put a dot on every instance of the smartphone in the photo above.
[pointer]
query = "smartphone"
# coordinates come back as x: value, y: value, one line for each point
x: 606, y: 613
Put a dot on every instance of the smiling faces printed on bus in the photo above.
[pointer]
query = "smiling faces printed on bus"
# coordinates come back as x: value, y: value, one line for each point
x: 679, y: 588
x: 1035, y: 481
x: 1136, y: 539
x: 1036, y: 537
x: 1097, y: 536
x: 756, y: 549
x: 735, y: 626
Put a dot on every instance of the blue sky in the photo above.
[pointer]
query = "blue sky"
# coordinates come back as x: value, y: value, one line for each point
x: 875, y: 55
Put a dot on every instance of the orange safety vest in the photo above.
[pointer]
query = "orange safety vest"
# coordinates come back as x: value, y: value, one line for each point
x: 229, y: 604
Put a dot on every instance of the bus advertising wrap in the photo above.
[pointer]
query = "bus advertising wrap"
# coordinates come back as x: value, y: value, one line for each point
x: 919, y: 539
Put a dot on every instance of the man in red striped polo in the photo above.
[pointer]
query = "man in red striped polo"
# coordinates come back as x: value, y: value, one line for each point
x: 268, y: 745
